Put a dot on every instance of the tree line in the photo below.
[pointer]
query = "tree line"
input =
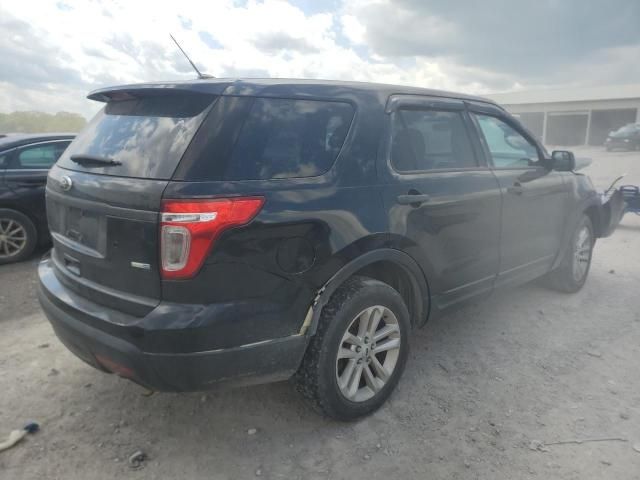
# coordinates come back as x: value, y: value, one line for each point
x: 39, y: 122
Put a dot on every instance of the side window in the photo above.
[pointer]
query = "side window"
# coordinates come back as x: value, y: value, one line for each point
x: 429, y: 139
x: 40, y: 156
x: 508, y: 148
x: 4, y: 160
x: 283, y: 138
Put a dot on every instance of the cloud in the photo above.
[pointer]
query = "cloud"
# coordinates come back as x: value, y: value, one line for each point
x: 277, y: 42
x: 53, y: 55
x: 353, y: 29
x: 26, y: 60
x: 528, y: 41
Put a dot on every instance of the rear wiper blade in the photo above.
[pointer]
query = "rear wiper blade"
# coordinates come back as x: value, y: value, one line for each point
x: 95, y: 160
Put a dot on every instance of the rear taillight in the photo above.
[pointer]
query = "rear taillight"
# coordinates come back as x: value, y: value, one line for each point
x: 189, y: 228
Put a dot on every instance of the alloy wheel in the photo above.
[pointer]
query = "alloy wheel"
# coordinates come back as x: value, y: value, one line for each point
x: 368, y: 353
x: 582, y: 254
x: 13, y: 238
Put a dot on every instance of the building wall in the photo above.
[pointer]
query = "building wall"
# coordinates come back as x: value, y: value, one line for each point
x: 576, y: 123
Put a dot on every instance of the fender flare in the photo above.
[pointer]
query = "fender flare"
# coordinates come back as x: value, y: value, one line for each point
x: 418, y: 280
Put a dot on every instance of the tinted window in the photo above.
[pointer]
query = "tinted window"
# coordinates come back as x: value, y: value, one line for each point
x: 508, y: 148
x: 40, y: 156
x: 147, y: 135
x: 284, y: 138
x: 428, y: 139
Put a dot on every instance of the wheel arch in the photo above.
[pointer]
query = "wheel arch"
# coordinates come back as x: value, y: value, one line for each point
x: 388, y: 265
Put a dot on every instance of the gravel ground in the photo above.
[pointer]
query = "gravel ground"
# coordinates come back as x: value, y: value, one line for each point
x: 486, y: 393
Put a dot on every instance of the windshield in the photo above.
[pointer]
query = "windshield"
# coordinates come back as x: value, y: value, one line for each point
x: 145, y: 137
x: 627, y: 129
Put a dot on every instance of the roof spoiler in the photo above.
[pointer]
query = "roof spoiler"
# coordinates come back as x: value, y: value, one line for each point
x: 130, y: 92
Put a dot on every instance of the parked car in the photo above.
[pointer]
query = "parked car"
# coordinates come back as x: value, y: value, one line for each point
x: 252, y: 231
x: 627, y: 138
x: 25, y: 160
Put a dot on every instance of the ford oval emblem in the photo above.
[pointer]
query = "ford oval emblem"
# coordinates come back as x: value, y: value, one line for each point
x: 65, y: 183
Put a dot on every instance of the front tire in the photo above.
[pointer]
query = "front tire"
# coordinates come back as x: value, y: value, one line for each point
x: 572, y: 273
x: 359, y: 351
x: 18, y: 236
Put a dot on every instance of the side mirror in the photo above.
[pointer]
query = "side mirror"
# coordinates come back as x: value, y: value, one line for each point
x: 563, y: 161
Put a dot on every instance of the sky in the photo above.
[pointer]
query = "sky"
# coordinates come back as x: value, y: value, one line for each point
x: 52, y: 53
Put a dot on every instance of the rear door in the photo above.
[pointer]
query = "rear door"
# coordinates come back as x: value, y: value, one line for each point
x: 534, y: 197
x: 26, y: 175
x: 103, y: 214
x: 443, y: 203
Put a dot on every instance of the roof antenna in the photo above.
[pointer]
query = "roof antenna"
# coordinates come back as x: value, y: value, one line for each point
x: 201, y: 75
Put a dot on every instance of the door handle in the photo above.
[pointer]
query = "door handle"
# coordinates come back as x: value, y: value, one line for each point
x: 414, y: 199
x: 516, y: 189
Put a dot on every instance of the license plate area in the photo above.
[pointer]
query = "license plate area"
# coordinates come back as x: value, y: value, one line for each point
x: 82, y: 227
x: 79, y: 226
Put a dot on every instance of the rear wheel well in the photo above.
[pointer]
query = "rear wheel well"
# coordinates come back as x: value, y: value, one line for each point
x: 401, y: 280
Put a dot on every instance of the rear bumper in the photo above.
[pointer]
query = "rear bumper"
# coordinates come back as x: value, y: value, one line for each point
x: 83, y: 333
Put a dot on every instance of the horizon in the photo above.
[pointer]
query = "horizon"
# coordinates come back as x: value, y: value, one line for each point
x: 462, y: 47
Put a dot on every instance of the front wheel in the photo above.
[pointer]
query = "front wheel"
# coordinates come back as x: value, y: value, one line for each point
x: 359, y: 351
x: 572, y: 273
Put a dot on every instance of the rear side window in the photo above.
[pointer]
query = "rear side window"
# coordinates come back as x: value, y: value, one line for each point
x: 148, y: 135
x: 40, y: 156
x: 268, y: 138
x: 428, y: 140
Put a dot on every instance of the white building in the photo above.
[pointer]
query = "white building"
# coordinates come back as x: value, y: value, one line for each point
x: 577, y: 116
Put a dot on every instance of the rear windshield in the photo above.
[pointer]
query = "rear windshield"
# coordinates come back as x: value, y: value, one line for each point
x: 248, y: 138
x: 147, y: 135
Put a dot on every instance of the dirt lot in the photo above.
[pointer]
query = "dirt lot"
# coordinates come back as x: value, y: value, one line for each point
x: 484, y: 387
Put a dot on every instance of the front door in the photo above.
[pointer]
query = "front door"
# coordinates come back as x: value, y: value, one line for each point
x: 533, y: 199
x: 443, y: 202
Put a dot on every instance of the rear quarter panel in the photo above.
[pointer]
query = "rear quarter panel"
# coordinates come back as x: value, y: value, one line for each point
x: 307, y: 230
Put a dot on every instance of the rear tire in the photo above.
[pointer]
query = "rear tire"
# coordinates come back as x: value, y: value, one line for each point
x: 572, y: 273
x: 18, y: 236
x: 359, y: 351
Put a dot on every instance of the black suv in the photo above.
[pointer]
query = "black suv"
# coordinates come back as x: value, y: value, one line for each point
x: 253, y: 231
x: 25, y: 160
x: 627, y: 138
